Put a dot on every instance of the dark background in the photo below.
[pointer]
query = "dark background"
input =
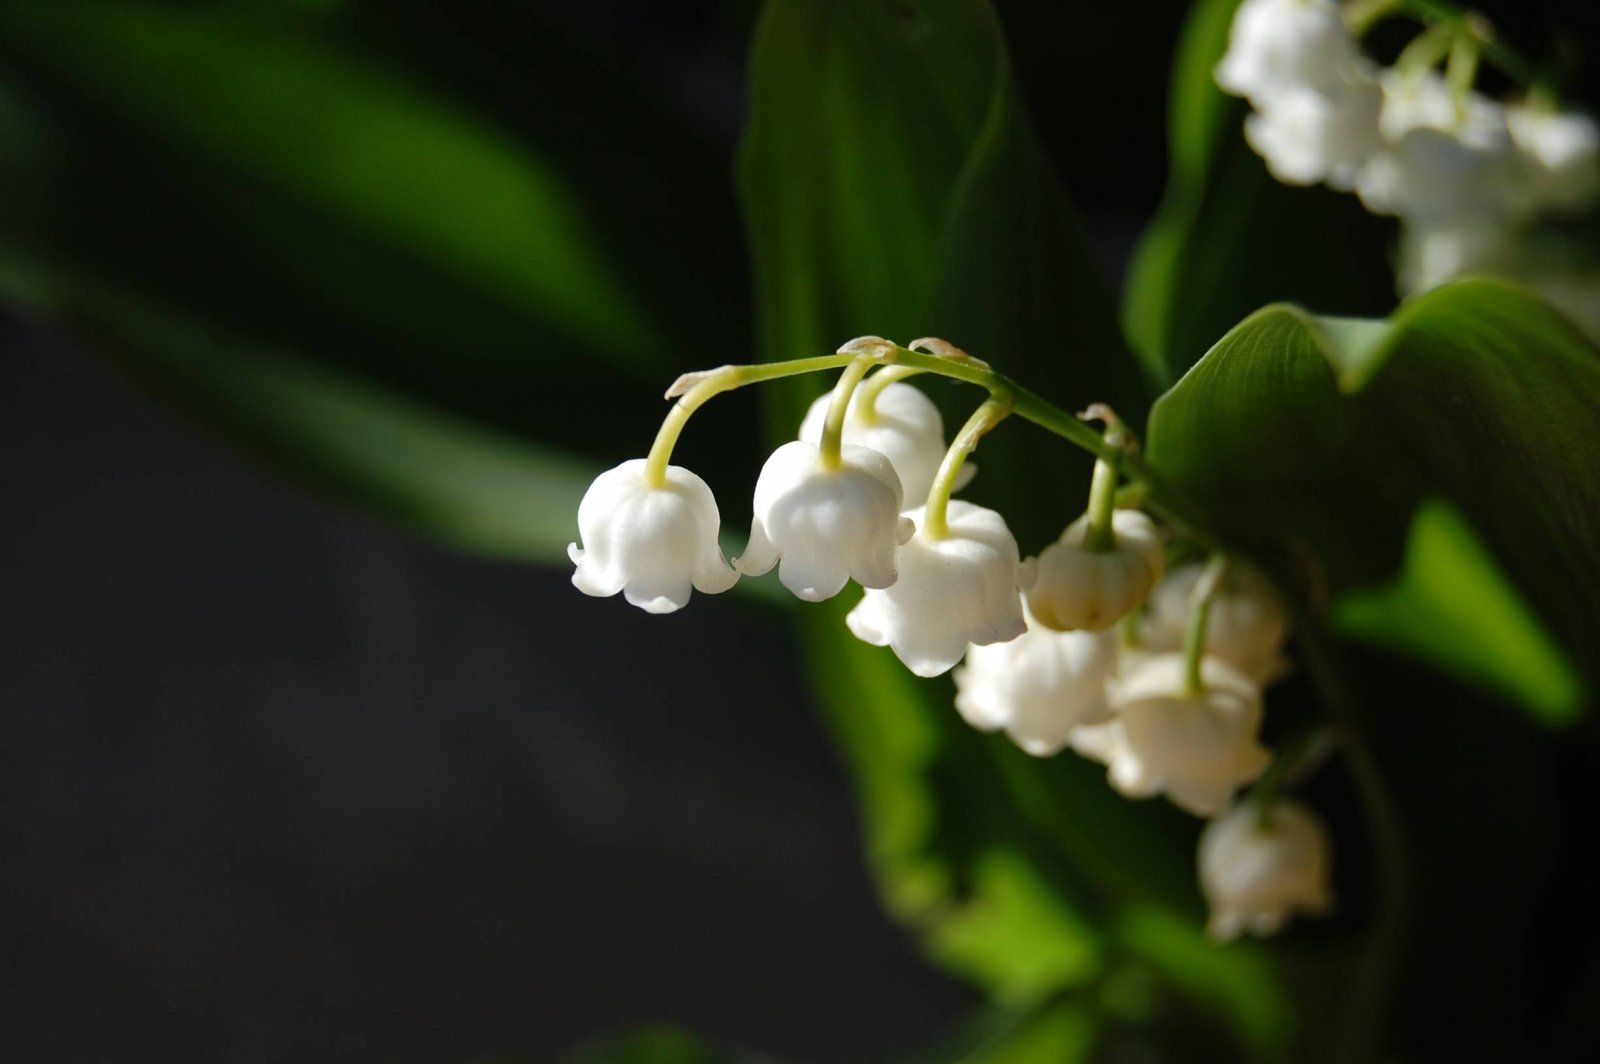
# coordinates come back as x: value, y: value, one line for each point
x: 277, y: 782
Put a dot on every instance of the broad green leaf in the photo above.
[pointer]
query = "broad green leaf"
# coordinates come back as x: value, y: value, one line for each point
x: 1228, y: 237
x: 1317, y: 441
x: 1451, y: 606
x: 893, y: 185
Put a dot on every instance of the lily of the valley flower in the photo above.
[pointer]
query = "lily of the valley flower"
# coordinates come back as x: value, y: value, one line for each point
x: 1307, y: 135
x: 823, y: 526
x: 1039, y: 686
x: 953, y: 590
x: 1561, y: 154
x: 1078, y: 588
x: 1259, y: 867
x: 904, y: 426
x: 1245, y: 628
x: 652, y: 543
x: 1196, y: 748
x: 1275, y: 45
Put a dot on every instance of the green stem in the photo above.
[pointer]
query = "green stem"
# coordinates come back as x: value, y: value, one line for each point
x: 1371, y: 989
x: 1475, y: 26
x: 1362, y: 15
x: 1101, y: 536
x: 935, y: 524
x: 873, y: 386
x: 1194, y: 640
x: 1461, y: 71
x: 838, y: 406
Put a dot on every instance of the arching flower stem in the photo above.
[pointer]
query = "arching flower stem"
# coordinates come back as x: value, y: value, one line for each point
x: 994, y: 410
x: 1100, y: 537
x: 1194, y: 643
x: 833, y: 428
x: 873, y: 386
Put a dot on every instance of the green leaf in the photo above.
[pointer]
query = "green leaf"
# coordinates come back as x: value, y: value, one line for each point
x: 1452, y: 607
x: 656, y: 1043
x: 893, y: 185
x: 1228, y: 237
x: 1316, y: 442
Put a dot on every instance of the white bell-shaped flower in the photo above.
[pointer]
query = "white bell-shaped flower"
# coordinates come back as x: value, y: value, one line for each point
x: 904, y: 426
x: 1077, y: 588
x: 1275, y: 45
x: 651, y: 543
x: 1434, y: 251
x: 953, y: 590
x: 1245, y: 627
x: 823, y: 526
x: 1039, y: 686
x: 1561, y: 157
x: 1307, y: 135
x: 1259, y: 867
x: 1445, y: 156
x: 1197, y: 749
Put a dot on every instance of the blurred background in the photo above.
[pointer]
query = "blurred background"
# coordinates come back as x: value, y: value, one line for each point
x: 283, y: 779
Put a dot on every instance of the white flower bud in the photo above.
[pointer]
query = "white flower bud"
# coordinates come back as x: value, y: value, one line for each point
x: 1245, y: 628
x: 1039, y: 686
x: 1276, y: 45
x: 958, y: 589
x: 651, y: 543
x: 1561, y: 153
x: 1445, y: 156
x: 905, y: 427
x: 827, y: 525
x: 1196, y: 749
x: 1257, y: 869
x: 1077, y: 588
x: 1306, y: 135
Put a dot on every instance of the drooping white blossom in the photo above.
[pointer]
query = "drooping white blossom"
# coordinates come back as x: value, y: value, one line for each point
x: 1077, y: 588
x: 1561, y: 157
x: 1308, y: 135
x: 1197, y: 749
x: 654, y: 544
x: 1259, y: 867
x: 1275, y: 45
x: 823, y: 526
x: 1038, y: 687
x: 1445, y: 155
x: 952, y: 590
x: 904, y: 426
x: 1245, y: 627
x: 1433, y: 251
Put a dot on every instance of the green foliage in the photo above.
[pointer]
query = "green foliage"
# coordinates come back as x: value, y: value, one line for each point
x: 1316, y: 442
x: 892, y: 184
x: 1228, y: 238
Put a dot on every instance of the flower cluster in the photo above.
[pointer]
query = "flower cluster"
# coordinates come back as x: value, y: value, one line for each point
x: 1093, y: 645
x: 1474, y: 181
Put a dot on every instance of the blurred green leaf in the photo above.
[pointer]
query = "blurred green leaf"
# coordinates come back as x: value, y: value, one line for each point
x: 893, y: 185
x: 656, y: 1043
x: 1451, y: 606
x: 1228, y: 237
x: 350, y: 441
x: 1317, y: 441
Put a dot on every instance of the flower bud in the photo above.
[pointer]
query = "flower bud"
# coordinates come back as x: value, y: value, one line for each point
x: 957, y: 589
x: 904, y: 426
x: 1197, y: 749
x: 1245, y: 628
x: 651, y: 543
x: 1039, y: 686
x: 826, y: 525
x: 1257, y: 868
x: 1093, y: 590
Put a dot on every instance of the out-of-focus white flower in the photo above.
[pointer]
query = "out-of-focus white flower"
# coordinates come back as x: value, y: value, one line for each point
x: 1195, y: 749
x: 904, y: 426
x: 1561, y: 154
x: 1276, y: 45
x: 651, y: 543
x: 1079, y: 588
x: 958, y: 589
x: 1439, y: 250
x: 1445, y: 156
x: 1039, y: 686
x: 1245, y: 627
x: 826, y: 525
x: 1307, y: 135
x: 1257, y: 868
